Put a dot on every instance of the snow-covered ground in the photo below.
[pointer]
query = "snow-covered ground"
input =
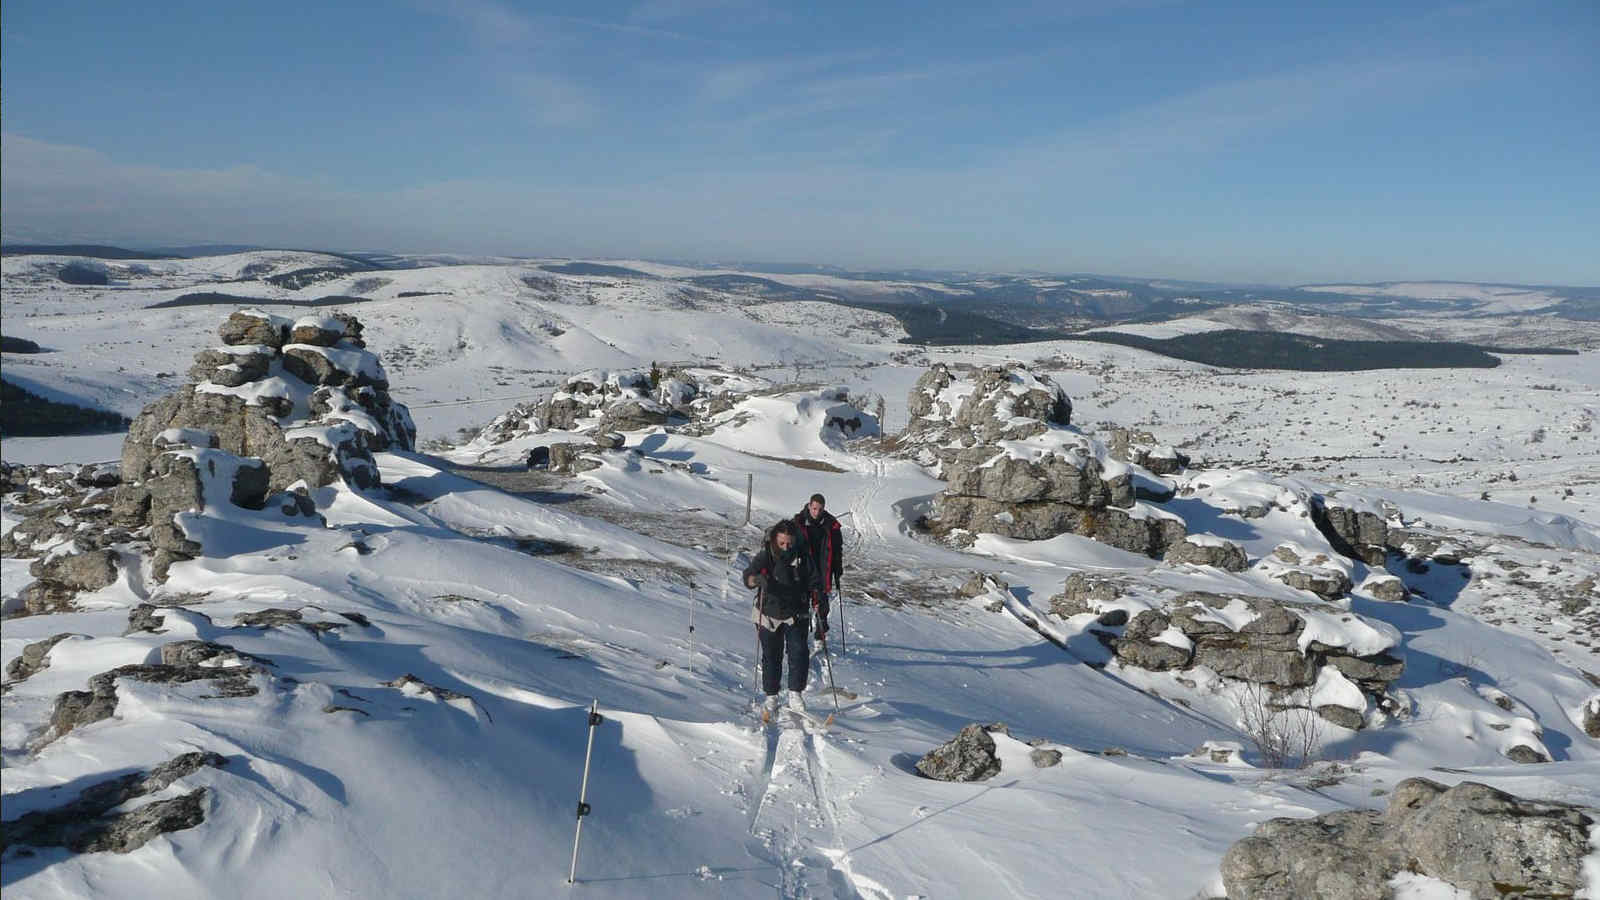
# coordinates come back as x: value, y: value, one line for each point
x: 530, y: 599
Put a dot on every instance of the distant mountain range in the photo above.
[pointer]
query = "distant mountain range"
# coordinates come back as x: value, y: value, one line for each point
x: 1013, y: 305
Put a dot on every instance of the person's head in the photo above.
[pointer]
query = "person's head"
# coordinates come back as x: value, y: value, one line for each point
x: 783, y: 536
x: 816, y: 505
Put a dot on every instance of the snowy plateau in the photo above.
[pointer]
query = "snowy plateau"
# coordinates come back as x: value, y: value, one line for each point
x: 373, y: 678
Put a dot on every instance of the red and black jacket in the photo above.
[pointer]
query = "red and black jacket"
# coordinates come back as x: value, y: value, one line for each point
x: 824, y: 543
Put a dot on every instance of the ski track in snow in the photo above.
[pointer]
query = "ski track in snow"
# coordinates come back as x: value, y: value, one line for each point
x: 796, y: 823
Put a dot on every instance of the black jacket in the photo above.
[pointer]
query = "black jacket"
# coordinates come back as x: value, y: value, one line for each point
x: 786, y: 584
x: 824, y: 543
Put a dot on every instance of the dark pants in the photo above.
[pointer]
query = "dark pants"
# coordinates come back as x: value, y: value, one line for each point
x: 796, y: 639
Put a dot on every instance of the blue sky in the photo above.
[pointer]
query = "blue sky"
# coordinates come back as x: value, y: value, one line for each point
x: 1218, y: 141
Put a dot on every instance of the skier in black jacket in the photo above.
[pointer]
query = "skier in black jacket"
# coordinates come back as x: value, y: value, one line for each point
x: 824, y: 543
x: 788, y: 587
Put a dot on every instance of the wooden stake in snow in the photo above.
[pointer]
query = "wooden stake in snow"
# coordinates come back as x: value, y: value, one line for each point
x: 749, y: 491
x: 583, y: 792
x: 691, y: 626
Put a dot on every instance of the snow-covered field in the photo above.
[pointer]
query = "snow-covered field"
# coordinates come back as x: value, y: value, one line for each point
x: 521, y: 602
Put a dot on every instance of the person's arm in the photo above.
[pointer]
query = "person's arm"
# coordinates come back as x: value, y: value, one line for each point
x: 757, y: 570
x: 836, y: 536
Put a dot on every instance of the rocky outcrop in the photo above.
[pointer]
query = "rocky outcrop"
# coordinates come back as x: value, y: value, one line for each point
x: 1482, y: 841
x: 1003, y: 403
x: 1386, y: 587
x: 600, y: 401
x: 1078, y: 480
x: 88, y: 825
x: 1084, y: 593
x: 1240, y: 637
x: 1014, y: 468
x: 280, y: 408
x: 182, y: 661
x: 1354, y: 529
x: 1140, y: 448
x: 969, y: 756
x: 1308, y: 571
x: 34, y: 657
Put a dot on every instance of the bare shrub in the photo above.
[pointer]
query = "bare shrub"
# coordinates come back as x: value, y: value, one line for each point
x: 1286, y: 731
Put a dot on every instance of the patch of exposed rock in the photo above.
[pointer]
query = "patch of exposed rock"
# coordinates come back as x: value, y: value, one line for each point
x: 1140, y: 448
x: 65, y: 514
x: 1355, y: 528
x: 282, y: 407
x: 600, y: 401
x: 181, y: 662
x: 1203, y: 550
x: 969, y: 756
x: 1015, y: 468
x: 1485, y: 842
x: 1311, y: 571
x: 87, y: 824
x: 34, y: 658
x: 1240, y: 637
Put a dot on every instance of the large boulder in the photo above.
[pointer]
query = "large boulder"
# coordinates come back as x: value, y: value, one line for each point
x: 1198, y: 550
x: 1353, y: 527
x: 252, y: 326
x: 89, y: 571
x: 987, y: 471
x: 969, y: 756
x: 1483, y: 842
x: 1140, y: 448
x: 633, y: 414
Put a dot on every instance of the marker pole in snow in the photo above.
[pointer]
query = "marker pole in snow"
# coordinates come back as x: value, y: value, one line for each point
x: 749, y: 492
x: 691, y: 626
x: 583, y: 792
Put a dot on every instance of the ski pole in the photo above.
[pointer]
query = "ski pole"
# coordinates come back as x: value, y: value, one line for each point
x: 838, y: 591
x: 832, y: 688
x: 583, y: 792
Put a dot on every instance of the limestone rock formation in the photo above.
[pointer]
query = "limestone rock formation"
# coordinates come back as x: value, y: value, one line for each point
x: 281, y: 408
x: 1245, y: 638
x: 1015, y: 468
x: 1482, y: 841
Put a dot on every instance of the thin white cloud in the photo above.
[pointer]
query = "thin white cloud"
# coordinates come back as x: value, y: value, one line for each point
x: 655, y: 11
x: 489, y: 22
x: 1217, y: 117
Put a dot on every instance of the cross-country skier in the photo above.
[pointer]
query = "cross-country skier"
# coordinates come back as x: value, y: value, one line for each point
x: 824, y: 543
x: 788, y: 587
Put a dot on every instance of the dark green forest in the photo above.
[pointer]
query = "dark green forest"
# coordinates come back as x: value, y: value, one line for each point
x: 26, y: 414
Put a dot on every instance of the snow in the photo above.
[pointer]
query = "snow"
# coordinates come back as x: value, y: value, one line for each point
x: 350, y: 360
x: 536, y: 600
x: 321, y: 323
x: 1333, y: 689
x: 190, y: 437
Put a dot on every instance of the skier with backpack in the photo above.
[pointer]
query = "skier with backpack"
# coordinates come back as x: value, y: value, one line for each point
x: 788, y: 586
x: 824, y: 543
